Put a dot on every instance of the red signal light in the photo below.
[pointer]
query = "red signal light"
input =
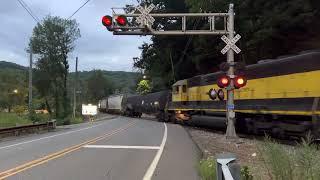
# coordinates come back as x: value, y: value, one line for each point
x: 121, y: 20
x: 223, y: 81
x: 239, y: 82
x: 107, y: 21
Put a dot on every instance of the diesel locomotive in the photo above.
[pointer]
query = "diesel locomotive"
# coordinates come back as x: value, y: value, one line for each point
x: 281, y: 97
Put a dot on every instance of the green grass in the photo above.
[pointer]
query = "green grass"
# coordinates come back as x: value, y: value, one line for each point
x: 12, y: 119
x: 76, y: 120
x: 69, y: 120
x: 293, y: 163
x: 40, y: 118
x: 207, y: 169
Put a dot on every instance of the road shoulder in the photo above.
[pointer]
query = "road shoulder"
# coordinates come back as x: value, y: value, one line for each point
x: 180, y: 157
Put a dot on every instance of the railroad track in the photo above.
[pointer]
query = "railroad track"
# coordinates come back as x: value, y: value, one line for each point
x: 288, y: 140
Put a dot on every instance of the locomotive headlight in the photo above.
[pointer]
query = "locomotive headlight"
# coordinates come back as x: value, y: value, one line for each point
x: 213, y: 94
x: 221, y: 94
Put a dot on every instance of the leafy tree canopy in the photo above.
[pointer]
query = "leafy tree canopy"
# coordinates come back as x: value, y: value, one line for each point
x: 144, y: 87
x: 98, y: 86
x: 52, y: 41
x: 268, y: 28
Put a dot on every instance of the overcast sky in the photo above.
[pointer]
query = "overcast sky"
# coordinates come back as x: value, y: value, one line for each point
x: 97, y: 48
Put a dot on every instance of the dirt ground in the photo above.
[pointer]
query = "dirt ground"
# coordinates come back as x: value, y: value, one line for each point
x: 246, y: 150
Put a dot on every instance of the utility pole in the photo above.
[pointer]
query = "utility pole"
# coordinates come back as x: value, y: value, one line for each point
x: 30, y: 84
x: 231, y: 132
x: 75, y: 90
x: 172, y: 67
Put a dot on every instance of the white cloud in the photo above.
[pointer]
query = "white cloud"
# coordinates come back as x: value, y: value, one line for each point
x: 97, y: 48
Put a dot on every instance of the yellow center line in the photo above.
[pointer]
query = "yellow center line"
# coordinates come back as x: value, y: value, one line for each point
x: 36, y: 162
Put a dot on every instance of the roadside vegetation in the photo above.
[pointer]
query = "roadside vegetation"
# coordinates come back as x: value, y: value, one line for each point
x: 208, y: 170
x: 294, y: 163
x: 76, y: 120
x: 282, y: 162
x: 13, y: 119
x: 17, y: 119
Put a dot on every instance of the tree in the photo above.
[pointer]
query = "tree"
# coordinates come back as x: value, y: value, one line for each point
x: 144, y: 87
x: 11, y: 80
x: 164, y: 57
x: 52, y: 41
x: 98, y: 86
x: 268, y: 28
x: 43, y: 84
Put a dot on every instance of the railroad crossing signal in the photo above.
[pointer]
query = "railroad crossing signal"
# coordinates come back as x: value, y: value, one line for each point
x: 231, y: 44
x: 239, y: 82
x: 121, y: 20
x: 145, y: 19
x: 223, y: 81
x: 107, y: 22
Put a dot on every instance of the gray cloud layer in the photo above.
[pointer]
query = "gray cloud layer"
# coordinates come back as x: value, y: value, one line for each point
x: 97, y: 48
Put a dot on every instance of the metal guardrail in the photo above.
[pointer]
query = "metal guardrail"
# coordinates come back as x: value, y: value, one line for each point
x: 227, y: 167
x: 27, y: 128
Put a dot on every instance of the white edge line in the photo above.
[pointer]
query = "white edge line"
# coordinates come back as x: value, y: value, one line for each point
x: 121, y: 147
x: 148, y: 175
x: 48, y: 137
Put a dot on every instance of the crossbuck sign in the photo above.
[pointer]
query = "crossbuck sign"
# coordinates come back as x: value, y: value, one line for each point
x: 145, y: 19
x: 230, y: 44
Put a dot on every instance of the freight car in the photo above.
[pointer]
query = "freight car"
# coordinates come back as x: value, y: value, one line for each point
x: 152, y: 104
x: 102, y: 105
x: 112, y: 104
x: 281, y: 96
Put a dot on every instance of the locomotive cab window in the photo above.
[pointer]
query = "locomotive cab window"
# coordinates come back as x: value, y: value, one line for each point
x: 176, y: 89
x: 184, y: 88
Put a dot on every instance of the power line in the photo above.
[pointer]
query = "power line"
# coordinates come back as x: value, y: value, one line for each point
x: 79, y: 9
x: 34, y: 14
x: 25, y: 6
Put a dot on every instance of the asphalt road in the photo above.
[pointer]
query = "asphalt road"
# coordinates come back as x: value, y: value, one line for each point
x: 122, y: 148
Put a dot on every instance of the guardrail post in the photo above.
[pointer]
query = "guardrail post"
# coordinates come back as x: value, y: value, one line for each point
x: 51, y: 124
x: 227, y: 167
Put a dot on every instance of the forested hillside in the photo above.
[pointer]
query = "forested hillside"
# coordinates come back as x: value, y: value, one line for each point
x: 10, y: 65
x: 268, y: 28
x: 12, y: 77
x: 119, y: 80
x: 92, y: 85
x: 96, y: 84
